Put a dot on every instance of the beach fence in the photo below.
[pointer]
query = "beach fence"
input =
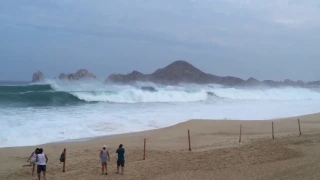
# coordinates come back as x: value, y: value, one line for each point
x: 64, y: 159
x: 240, y: 134
x: 144, y: 148
x: 272, y: 131
x: 299, y: 127
x: 239, y: 141
x: 189, y: 143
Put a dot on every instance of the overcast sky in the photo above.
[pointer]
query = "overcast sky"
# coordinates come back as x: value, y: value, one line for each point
x: 265, y: 39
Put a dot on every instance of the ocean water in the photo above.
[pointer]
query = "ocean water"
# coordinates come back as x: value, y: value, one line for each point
x: 32, y: 114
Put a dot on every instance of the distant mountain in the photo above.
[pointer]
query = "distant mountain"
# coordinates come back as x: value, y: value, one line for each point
x: 178, y: 72
x: 183, y: 72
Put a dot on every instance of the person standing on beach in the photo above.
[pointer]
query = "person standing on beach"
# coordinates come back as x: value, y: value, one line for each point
x: 104, y: 156
x: 120, y: 162
x: 32, y: 159
x: 42, y: 160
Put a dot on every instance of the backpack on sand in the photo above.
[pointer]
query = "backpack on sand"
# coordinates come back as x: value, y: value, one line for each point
x: 62, y: 157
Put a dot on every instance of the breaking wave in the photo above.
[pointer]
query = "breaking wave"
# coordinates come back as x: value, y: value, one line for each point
x: 66, y: 94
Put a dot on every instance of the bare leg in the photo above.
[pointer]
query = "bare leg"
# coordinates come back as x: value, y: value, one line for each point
x: 102, y: 168
x: 44, y: 175
x: 33, y: 167
x: 39, y: 176
x: 117, y: 169
x: 122, y: 170
x: 105, y: 165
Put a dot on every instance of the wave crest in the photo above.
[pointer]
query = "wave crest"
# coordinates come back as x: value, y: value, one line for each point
x: 26, y: 88
x: 138, y: 96
x: 69, y: 94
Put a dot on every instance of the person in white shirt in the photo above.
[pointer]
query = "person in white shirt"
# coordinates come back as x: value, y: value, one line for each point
x: 42, y: 160
x: 32, y: 160
x: 104, y: 156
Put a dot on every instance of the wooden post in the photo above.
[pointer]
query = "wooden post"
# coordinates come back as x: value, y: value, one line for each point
x: 189, y: 140
x: 272, y: 131
x: 299, y: 127
x: 144, y: 149
x: 65, y: 158
x: 240, y: 133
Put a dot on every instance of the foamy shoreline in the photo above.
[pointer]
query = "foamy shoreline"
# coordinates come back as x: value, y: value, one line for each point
x: 145, y: 131
x: 86, y: 139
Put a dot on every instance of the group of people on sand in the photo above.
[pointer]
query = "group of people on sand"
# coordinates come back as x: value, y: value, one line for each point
x: 39, y: 158
x: 105, y: 157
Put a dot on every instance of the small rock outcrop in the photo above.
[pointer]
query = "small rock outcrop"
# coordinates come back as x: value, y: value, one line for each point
x: 251, y: 82
x: 37, y: 76
x: 128, y: 78
x: 81, y: 74
x: 313, y: 83
x: 301, y: 83
x: 63, y: 76
x: 231, y: 81
x: 288, y: 82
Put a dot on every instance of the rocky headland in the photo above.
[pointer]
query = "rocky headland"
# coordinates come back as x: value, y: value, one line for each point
x: 183, y: 72
x: 177, y: 72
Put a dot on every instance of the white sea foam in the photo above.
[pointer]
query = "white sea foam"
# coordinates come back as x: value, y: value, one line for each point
x: 185, y: 93
x: 268, y: 94
x: 139, y: 110
x: 132, y: 95
x: 136, y: 96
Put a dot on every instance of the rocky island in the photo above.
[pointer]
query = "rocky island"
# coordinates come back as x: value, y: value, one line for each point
x: 37, y: 76
x: 81, y: 74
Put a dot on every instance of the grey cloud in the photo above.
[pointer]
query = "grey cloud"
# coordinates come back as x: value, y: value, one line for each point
x: 227, y: 37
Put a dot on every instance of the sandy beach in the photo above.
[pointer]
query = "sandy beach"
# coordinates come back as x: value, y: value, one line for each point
x: 216, y: 153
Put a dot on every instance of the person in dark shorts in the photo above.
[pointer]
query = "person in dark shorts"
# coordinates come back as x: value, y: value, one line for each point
x: 120, y: 162
x: 42, y: 160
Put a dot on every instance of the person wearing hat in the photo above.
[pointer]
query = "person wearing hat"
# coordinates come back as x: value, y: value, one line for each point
x: 104, y: 156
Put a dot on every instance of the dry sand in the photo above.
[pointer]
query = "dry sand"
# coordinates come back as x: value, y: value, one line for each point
x: 215, y: 153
